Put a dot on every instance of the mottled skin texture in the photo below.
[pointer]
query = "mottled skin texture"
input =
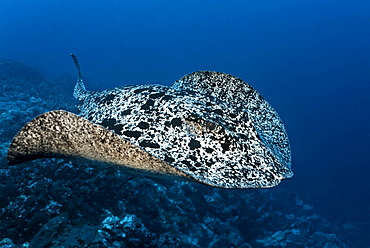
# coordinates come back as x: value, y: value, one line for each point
x: 61, y: 134
x: 211, y: 127
x: 243, y: 97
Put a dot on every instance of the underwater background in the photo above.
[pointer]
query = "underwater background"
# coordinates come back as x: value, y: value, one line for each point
x: 309, y: 58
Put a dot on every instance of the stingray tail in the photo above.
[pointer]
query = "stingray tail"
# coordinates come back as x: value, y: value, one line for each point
x: 80, y: 91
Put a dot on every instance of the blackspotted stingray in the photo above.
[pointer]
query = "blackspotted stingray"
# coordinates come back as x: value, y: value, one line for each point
x: 208, y: 127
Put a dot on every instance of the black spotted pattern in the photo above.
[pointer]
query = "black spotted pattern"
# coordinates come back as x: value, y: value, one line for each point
x: 212, y: 126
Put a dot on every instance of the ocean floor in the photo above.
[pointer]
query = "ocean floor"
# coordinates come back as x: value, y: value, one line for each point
x: 53, y: 203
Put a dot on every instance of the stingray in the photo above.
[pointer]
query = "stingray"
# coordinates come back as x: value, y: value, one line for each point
x: 209, y: 127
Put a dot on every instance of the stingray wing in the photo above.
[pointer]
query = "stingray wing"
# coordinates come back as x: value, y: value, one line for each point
x: 61, y: 134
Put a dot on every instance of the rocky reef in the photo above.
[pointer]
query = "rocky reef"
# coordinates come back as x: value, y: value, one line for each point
x: 54, y: 203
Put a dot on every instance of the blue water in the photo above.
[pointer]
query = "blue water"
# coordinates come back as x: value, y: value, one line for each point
x: 310, y: 59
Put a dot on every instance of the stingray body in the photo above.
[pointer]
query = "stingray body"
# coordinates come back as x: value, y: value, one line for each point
x: 209, y: 127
